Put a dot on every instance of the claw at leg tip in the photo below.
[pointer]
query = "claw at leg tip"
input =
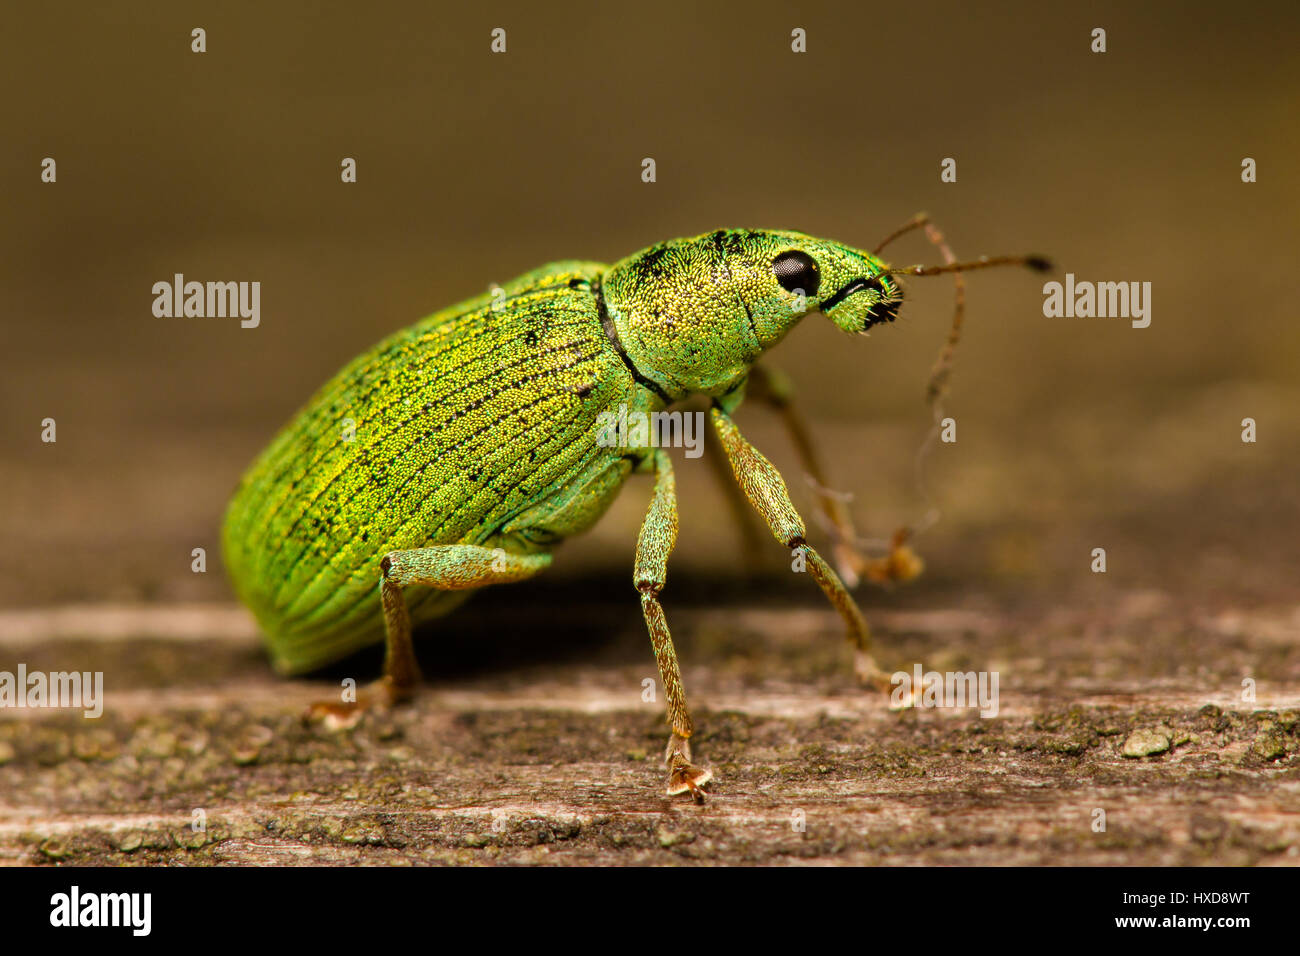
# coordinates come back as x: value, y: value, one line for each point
x: 682, y: 775
x: 687, y: 778
x: 869, y: 672
x: 334, y: 717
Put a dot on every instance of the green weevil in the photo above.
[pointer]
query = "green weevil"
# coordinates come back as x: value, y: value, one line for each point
x: 460, y: 451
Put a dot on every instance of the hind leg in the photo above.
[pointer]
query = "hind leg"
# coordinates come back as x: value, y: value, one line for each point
x: 450, y: 567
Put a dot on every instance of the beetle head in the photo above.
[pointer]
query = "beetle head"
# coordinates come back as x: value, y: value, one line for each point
x: 694, y: 314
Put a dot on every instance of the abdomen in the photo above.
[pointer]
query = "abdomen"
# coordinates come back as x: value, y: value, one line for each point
x: 439, y: 435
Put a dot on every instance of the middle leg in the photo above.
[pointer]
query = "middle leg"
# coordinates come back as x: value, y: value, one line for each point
x: 654, y: 545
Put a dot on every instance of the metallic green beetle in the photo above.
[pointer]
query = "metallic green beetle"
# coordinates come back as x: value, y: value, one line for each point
x: 460, y: 451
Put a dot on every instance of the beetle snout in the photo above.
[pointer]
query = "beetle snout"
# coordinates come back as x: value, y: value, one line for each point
x: 872, y: 300
x: 885, y: 310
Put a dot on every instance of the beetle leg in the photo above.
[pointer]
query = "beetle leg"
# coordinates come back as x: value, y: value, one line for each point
x: 751, y: 532
x: 653, y: 545
x: 765, y: 489
x: 771, y: 387
x: 450, y: 567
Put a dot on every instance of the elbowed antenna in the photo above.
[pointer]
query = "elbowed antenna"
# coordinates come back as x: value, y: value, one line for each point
x: 1037, y: 263
x: 938, y: 383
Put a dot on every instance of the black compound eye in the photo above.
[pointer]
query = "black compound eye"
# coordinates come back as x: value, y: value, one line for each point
x: 797, y: 270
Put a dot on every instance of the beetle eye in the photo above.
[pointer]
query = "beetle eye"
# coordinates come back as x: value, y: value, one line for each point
x: 797, y: 270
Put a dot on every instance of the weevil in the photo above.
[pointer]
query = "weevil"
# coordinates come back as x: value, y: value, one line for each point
x: 459, y: 452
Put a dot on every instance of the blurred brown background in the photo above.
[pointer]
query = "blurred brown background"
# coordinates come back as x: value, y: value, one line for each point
x: 1072, y: 434
x: 473, y: 167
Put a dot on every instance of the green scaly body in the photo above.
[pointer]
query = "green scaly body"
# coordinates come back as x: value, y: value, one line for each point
x: 477, y: 425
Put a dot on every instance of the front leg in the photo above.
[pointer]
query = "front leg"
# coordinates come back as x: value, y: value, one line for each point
x: 766, y: 491
x: 771, y: 387
x: 449, y: 567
